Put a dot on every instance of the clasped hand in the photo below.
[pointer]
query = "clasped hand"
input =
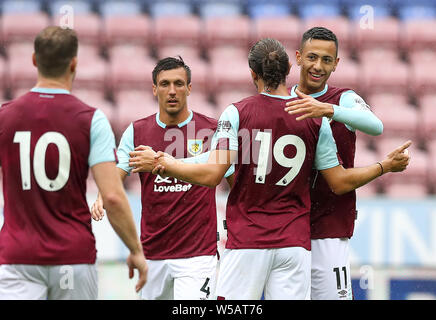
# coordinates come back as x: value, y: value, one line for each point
x: 145, y: 159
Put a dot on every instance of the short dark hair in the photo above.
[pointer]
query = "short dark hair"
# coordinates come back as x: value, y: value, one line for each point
x: 170, y: 63
x: 54, y: 49
x: 319, y: 33
x: 269, y: 60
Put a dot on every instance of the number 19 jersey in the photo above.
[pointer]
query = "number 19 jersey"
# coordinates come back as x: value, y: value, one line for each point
x: 269, y: 205
x: 48, y: 140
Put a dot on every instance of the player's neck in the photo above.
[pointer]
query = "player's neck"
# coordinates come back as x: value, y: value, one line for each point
x: 174, y: 119
x: 281, y: 90
x: 54, y: 83
x: 306, y: 90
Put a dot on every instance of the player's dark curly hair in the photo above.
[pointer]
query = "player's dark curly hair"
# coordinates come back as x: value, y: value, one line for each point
x: 170, y: 63
x: 319, y: 33
x: 269, y: 60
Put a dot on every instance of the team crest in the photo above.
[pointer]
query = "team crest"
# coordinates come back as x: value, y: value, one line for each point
x: 195, y: 146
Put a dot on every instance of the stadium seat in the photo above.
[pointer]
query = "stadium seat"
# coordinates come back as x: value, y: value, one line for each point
x: 96, y: 98
x: 225, y: 98
x: 219, y: 8
x: 418, y: 34
x: 422, y: 55
x: 427, y: 116
x: 22, y: 72
x: 21, y: 6
x: 187, y: 52
x: 119, y: 29
x: 80, y: 7
x: 23, y: 26
x: 338, y: 24
x: 378, y: 55
x: 384, y: 76
x: 431, y: 147
x: 269, y: 8
x: 91, y: 69
x: 177, y: 30
x: 220, y: 31
x: 170, y: 8
x: 360, y: 9
x: 422, y: 77
x: 406, y: 190
x: 386, y: 33
x: 118, y: 7
x: 130, y: 67
x: 417, y: 170
x: 223, y: 53
x: 369, y: 190
x: 88, y: 27
x: 133, y: 104
x: 200, y: 103
x: 399, y: 120
x: 286, y: 29
x: 346, y: 74
x: 228, y: 74
x: 378, y: 100
x: 416, y: 10
x: 316, y: 9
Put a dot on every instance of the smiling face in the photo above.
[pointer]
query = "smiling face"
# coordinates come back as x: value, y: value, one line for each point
x: 317, y: 60
x: 172, y: 90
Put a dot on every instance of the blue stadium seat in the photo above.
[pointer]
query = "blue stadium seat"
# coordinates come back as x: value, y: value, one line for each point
x: 170, y: 8
x: 357, y: 9
x: 21, y: 6
x: 79, y: 6
x: 219, y: 8
x: 313, y: 9
x: 268, y: 8
x: 118, y: 7
x: 417, y: 11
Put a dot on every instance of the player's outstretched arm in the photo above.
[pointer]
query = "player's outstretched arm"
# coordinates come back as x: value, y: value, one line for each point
x: 343, y: 180
x: 120, y: 216
x: 207, y: 174
x: 97, y: 208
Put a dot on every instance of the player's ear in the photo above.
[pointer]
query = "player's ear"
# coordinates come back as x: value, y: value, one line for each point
x: 34, y: 59
x: 254, y: 75
x: 73, y: 65
x: 154, y: 90
x: 336, y: 64
x: 298, y: 57
x: 189, y: 89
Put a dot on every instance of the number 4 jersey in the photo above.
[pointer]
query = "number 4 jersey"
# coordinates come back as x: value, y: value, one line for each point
x: 48, y: 140
x: 269, y: 205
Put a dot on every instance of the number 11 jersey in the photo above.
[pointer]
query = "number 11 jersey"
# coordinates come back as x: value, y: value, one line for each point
x: 269, y: 205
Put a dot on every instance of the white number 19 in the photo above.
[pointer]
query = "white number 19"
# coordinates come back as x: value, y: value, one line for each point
x: 23, y: 138
x: 278, y: 152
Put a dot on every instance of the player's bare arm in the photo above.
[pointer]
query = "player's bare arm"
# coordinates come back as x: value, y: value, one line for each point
x: 206, y: 174
x: 343, y: 180
x: 142, y: 159
x: 120, y: 217
x: 97, y: 208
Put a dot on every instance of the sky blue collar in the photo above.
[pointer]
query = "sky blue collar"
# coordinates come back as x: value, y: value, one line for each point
x: 181, y: 124
x: 315, y: 95
x: 276, y: 96
x: 50, y: 90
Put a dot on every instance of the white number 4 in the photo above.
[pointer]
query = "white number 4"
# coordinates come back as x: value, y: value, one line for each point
x: 23, y: 138
x: 278, y: 152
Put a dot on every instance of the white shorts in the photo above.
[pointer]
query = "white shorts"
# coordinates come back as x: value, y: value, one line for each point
x: 331, y: 278
x: 181, y: 279
x: 282, y: 273
x: 40, y: 282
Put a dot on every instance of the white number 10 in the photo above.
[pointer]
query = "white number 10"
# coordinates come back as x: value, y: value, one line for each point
x: 278, y: 152
x: 23, y: 138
